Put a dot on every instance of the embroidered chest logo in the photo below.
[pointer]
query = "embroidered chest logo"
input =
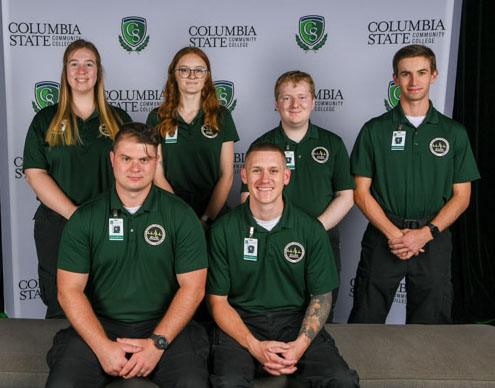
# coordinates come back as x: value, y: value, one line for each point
x: 320, y: 154
x: 154, y: 234
x: 439, y: 146
x: 294, y: 252
x: 207, y: 132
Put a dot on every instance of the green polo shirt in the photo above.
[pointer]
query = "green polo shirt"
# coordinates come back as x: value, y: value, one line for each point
x: 294, y: 261
x: 81, y: 171
x: 192, y: 162
x: 134, y: 278
x: 321, y: 167
x: 414, y: 180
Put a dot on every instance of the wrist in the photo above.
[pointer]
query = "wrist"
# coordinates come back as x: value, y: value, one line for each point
x: 433, y: 230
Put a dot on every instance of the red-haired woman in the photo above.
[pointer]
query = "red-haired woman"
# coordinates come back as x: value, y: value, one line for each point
x: 198, y: 136
x: 67, y: 156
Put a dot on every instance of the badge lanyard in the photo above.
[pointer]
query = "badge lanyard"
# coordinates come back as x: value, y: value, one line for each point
x: 399, y: 139
x: 290, y: 158
x: 115, y: 227
x: 251, y: 247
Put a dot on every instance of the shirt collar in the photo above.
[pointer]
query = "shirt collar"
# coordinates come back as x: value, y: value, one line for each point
x: 399, y: 116
x: 311, y: 133
x: 148, y: 205
x: 286, y: 221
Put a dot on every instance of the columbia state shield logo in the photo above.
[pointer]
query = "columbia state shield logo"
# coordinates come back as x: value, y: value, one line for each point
x: 133, y: 36
x: 311, y: 32
x: 45, y: 93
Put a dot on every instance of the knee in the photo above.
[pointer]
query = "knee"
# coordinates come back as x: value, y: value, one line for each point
x: 344, y: 378
x: 230, y: 381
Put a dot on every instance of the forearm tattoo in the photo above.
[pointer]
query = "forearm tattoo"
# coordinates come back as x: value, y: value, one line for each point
x: 316, y: 315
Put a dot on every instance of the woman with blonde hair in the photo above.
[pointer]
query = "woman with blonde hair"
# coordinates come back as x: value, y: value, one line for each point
x: 198, y: 136
x: 66, y: 156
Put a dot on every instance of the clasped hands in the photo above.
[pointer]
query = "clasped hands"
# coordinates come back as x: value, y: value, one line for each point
x: 145, y: 356
x: 278, y: 358
x: 410, y: 243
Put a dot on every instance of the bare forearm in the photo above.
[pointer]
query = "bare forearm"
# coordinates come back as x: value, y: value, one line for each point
x: 228, y: 319
x: 375, y: 214
x: 316, y: 315
x: 180, y: 311
x: 219, y: 195
x: 454, y: 207
x: 49, y: 192
x: 82, y: 317
x: 337, y: 209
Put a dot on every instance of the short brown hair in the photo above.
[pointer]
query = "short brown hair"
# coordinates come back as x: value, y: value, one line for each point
x: 414, y: 50
x: 142, y: 133
x: 264, y: 146
x: 295, y: 76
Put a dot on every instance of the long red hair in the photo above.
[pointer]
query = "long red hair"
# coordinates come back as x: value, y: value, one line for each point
x: 168, y: 110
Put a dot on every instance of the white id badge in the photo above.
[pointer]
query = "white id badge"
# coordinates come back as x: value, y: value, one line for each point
x: 291, y: 159
x: 116, y: 228
x: 172, y: 139
x: 251, y: 249
x: 398, y: 140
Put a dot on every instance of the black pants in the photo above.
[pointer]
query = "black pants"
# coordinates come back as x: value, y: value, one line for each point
x: 320, y: 366
x: 48, y: 228
x: 334, y: 237
x: 428, y: 281
x: 184, y: 364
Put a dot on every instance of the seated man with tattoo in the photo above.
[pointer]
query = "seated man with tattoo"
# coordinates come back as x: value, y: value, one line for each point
x: 270, y: 285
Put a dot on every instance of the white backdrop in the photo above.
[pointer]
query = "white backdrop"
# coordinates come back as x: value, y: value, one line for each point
x: 348, y: 48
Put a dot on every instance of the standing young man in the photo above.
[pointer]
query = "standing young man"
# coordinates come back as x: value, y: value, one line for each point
x: 131, y: 273
x: 321, y: 183
x: 413, y: 169
x: 270, y: 285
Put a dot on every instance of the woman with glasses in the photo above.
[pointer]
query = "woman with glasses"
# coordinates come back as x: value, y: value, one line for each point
x: 198, y: 136
x: 67, y: 157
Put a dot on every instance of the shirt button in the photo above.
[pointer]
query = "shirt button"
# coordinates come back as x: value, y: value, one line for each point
x: 132, y: 230
x: 299, y: 156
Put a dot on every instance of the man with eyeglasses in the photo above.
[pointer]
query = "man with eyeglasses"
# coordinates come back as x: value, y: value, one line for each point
x: 131, y: 273
x: 321, y: 183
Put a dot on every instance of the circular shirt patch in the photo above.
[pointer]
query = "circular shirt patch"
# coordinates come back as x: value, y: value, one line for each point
x: 154, y: 234
x: 207, y: 132
x: 294, y: 252
x: 320, y: 154
x: 439, y: 146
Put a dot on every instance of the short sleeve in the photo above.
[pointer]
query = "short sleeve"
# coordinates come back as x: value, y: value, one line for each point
x: 75, y: 252
x: 218, y: 280
x: 342, y: 178
x: 34, y: 147
x: 228, y: 127
x: 321, y: 272
x: 190, y: 246
x: 465, y: 169
x: 362, y: 155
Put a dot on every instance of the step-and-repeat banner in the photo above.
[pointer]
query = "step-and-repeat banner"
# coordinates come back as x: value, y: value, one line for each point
x: 346, y: 46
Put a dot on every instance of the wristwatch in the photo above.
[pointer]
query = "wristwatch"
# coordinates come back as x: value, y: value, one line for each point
x: 207, y: 220
x: 160, y: 341
x: 434, y: 230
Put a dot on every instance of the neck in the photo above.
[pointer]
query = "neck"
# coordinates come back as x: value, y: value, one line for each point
x: 268, y: 211
x: 83, y: 105
x: 190, y: 102
x: 132, y: 198
x: 416, y: 108
x: 295, y: 132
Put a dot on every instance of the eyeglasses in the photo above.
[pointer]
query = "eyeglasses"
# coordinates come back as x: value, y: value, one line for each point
x: 185, y: 72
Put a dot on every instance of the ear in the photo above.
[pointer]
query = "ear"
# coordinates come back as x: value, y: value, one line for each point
x: 112, y: 157
x: 396, y: 80
x: 243, y: 175
x: 434, y: 76
x: 287, y: 176
x: 276, y: 106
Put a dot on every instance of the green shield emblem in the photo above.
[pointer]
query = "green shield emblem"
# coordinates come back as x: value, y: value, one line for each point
x: 311, y: 29
x: 45, y: 94
x: 134, y: 30
x: 225, y: 94
x: 393, y: 96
